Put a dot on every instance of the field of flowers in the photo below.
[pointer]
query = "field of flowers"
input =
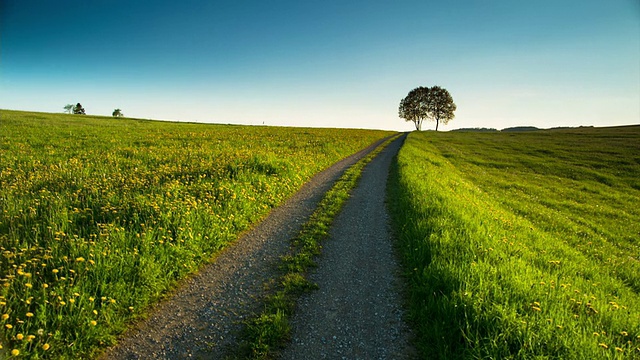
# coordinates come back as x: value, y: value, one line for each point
x: 99, y: 217
x: 521, y: 245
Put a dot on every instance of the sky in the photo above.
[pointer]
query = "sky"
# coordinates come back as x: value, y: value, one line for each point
x: 344, y: 64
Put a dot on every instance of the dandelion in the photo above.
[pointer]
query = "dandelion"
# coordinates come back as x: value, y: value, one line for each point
x: 15, y: 352
x: 91, y: 298
x: 80, y: 259
x: 19, y: 337
x: 619, y: 349
x: 30, y: 337
x: 45, y: 347
x: 94, y: 323
x: 9, y: 326
x: 603, y: 345
x: 29, y: 285
x: 624, y: 333
x: 5, y: 316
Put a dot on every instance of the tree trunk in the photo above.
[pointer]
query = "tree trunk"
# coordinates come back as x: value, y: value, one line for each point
x: 437, y: 123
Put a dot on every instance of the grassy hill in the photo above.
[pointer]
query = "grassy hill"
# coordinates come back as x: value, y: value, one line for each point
x: 522, y: 245
x: 100, y: 216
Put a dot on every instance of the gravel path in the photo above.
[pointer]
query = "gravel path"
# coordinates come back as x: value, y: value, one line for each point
x: 356, y: 313
x: 202, y: 318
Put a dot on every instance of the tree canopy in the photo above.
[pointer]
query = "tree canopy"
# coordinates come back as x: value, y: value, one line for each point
x: 432, y: 103
x: 68, y: 108
x: 117, y: 113
x: 78, y: 109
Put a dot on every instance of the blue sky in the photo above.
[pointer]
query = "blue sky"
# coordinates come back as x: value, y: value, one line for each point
x: 325, y: 63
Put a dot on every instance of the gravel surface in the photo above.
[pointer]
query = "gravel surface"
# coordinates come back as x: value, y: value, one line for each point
x: 202, y: 318
x: 357, y: 312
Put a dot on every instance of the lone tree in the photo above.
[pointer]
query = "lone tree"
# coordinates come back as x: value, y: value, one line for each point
x: 117, y: 113
x: 434, y: 103
x: 68, y: 108
x: 78, y: 109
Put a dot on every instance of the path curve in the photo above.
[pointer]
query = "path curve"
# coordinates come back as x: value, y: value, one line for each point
x: 204, y: 316
x: 357, y: 311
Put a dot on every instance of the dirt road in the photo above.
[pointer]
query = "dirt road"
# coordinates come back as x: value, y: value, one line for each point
x: 356, y: 313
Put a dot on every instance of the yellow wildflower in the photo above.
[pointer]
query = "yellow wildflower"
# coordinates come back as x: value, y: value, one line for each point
x: 5, y: 316
x: 603, y: 345
x: 45, y: 347
x: 15, y: 352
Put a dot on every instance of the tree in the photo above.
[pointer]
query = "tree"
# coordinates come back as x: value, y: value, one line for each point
x: 413, y: 106
x: 117, y: 113
x: 441, y: 105
x: 434, y: 103
x: 78, y: 109
x: 68, y: 108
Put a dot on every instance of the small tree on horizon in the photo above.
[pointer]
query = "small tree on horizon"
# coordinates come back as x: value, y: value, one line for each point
x: 434, y: 103
x: 117, y: 113
x: 413, y: 106
x: 68, y: 108
x: 78, y: 109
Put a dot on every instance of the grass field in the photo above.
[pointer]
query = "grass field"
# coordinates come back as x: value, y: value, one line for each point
x: 100, y: 216
x: 521, y: 245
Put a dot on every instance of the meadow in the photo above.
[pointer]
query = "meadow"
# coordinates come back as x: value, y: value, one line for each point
x: 521, y: 245
x: 100, y: 217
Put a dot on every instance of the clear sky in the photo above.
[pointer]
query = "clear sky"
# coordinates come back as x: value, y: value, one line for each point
x: 344, y: 63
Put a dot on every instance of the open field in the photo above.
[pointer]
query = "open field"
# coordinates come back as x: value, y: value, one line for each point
x: 99, y: 217
x: 522, y: 245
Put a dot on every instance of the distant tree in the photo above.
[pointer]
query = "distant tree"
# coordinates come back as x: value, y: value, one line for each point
x: 413, y: 106
x: 78, y: 109
x: 434, y: 103
x: 117, y: 113
x: 68, y: 108
x: 441, y: 105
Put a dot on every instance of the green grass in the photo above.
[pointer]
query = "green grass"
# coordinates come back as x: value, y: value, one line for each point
x: 99, y: 216
x: 521, y: 245
x: 267, y: 333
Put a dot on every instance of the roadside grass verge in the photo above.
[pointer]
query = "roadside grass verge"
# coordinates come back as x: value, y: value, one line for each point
x: 521, y: 245
x: 269, y: 331
x: 99, y: 217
